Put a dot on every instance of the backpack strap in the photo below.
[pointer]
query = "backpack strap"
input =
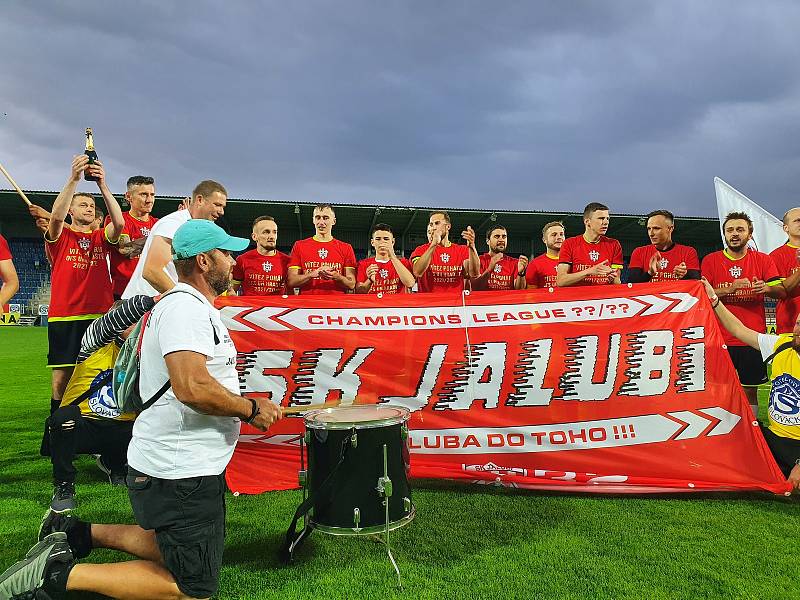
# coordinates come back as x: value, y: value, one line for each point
x: 163, y: 390
x: 778, y: 350
x: 105, y: 380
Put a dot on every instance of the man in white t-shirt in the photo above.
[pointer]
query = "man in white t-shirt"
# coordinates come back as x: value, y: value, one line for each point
x: 155, y: 272
x: 179, y: 450
x: 783, y: 352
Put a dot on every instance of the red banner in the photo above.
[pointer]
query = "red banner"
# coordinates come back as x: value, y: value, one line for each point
x: 614, y: 388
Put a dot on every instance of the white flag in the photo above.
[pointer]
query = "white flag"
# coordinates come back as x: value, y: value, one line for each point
x: 768, y: 232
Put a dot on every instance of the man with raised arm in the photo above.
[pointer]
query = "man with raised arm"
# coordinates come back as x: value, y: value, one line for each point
x: 543, y: 269
x: 155, y: 272
x: 80, y: 281
x: 441, y: 265
x: 590, y: 258
x: 262, y: 271
x: 322, y: 264
x: 383, y: 273
x: 741, y: 278
x: 662, y: 259
x: 783, y: 352
x: 498, y: 270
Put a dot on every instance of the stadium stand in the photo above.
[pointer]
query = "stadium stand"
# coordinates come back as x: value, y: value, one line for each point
x: 32, y: 269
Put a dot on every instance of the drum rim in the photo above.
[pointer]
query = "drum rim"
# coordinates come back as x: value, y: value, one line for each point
x: 404, y: 416
x: 371, y: 530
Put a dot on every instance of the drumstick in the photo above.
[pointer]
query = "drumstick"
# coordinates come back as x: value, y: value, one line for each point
x: 293, y: 410
x: 14, y: 183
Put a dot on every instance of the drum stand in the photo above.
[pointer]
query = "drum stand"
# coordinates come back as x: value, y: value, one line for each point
x: 384, y: 489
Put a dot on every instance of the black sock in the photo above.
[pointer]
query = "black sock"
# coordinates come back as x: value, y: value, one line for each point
x: 54, y: 404
x: 79, y: 537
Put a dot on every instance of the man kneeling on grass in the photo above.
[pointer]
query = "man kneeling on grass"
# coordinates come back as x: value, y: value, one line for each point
x: 177, y: 456
x: 783, y: 351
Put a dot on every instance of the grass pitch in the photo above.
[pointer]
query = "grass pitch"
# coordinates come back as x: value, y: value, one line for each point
x: 466, y: 542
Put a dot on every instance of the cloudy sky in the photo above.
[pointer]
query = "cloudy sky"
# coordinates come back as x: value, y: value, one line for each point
x: 518, y: 105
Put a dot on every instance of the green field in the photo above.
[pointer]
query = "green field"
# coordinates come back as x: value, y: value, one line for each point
x: 466, y: 542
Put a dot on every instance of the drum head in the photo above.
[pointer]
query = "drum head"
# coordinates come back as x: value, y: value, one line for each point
x: 360, y: 417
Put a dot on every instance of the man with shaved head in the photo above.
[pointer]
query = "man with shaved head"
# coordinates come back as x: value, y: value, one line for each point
x: 787, y: 260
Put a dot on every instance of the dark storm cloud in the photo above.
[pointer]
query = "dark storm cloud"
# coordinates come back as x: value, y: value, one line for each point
x: 473, y: 104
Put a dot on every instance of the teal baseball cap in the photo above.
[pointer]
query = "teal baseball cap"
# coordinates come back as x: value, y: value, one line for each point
x: 199, y: 235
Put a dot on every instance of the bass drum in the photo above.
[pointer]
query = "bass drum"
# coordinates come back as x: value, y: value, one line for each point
x: 358, y: 459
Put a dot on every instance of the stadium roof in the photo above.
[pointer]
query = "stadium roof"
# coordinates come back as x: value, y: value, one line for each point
x: 353, y: 222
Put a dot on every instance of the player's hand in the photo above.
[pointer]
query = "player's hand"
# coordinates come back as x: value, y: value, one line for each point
x: 315, y: 274
x: 372, y: 270
x: 680, y: 270
x: 184, y: 203
x: 96, y: 170
x: 436, y: 237
x: 37, y: 212
x: 79, y: 164
x: 469, y: 235
x: 613, y: 275
x: 522, y: 264
x: 496, y: 258
x: 794, y: 478
x: 759, y: 286
x: 268, y: 414
x: 652, y: 267
x: 739, y: 284
x: 712, y: 295
x: 602, y: 269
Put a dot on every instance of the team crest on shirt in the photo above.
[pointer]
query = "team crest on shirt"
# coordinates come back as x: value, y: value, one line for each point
x: 84, y: 243
x: 384, y: 274
x: 594, y: 255
x: 267, y: 266
x: 735, y: 272
x: 663, y: 264
x: 497, y: 268
x: 445, y: 258
x: 784, y: 400
x: 102, y: 402
x: 323, y: 253
x: 145, y: 231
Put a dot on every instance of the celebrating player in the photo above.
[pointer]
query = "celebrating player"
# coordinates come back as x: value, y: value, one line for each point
x: 591, y: 258
x: 542, y: 270
x: 383, y: 273
x: 262, y: 271
x: 787, y: 260
x: 663, y: 259
x: 498, y: 270
x: 440, y: 265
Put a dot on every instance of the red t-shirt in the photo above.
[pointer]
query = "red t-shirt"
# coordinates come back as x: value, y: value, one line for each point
x: 261, y: 275
x: 387, y: 281
x: 122, y: 267
x: 445, y: 273
x: 81, y: 284
x: 5, y: 253
x: 541, y: 272
x: 580, y: 255
x: 503, y: 275
x: 787, y: 262
x: 721, y: 270
x: 310, y: 254
x: 640, y: 259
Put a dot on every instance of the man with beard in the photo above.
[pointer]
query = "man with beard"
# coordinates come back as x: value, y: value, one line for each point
x: 663, y: 259
x: 543, y: 269
x: 177, y: 455
x: 741, y: 277
x: 141, y: 195
x: 787, y: 260
x: 783, y: 352
x: 498, y: 271
x: 440, y: 265
x: 81, y: 285
x: 591, y: 258
x: 383, y: 273
x: 322, y: 264
x: 154, y: 272
x: 262, y: 271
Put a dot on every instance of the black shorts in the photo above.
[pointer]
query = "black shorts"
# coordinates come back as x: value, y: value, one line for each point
x: 188, y: 516
x: 64, y: 338
x: 785, y: 450
x: 748, y: 364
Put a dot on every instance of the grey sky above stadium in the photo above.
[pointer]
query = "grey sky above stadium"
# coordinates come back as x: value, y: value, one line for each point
x: 514, y: 105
